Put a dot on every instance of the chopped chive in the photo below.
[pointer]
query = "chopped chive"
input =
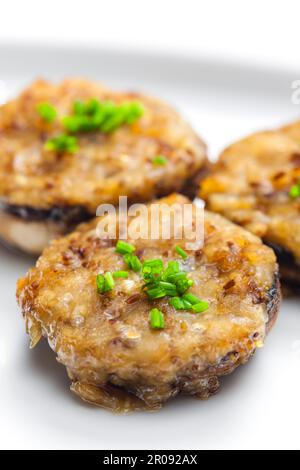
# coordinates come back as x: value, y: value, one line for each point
x: 105, y: 117
x: 62, y: 143
x: 133, y: 262
x: 152, y: 268
x: 46, y: 111
x: 79, y: 107
x: 157, y: 321
x: 109, y: 281
x: 187, y: 305
x: 176, y: 277
x: 183, y: 285
x: 170, y: 289
x: 134, y: 111
x: 191, y: 298
x: 104, y: 283
x: 159, y: 160
x: 295, y: 191
x: 156, y: 293
x: 172, y: 269
x: 100, y: 281
x: 200, y: 306
x: 72, y: 124
x: 177, y: 303
x: 181, y: 252
x: 124, y: 248
x: 153, y: 263
x: 123, y: 274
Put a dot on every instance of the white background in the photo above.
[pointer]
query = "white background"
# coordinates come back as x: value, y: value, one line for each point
x: 259, y: 405
x: 260, y: 31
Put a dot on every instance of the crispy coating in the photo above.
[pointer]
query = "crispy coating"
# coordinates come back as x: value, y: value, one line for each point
x: 113, y: 357
x: 250, y: 185
x: 105, y: 166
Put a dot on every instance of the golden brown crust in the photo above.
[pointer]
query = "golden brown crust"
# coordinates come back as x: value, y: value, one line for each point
x: 106, y: 339
x: 250, y: 185
x: 105, y: 166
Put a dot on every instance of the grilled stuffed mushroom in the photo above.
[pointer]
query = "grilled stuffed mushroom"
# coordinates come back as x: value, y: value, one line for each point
x: 137, y: 322
x: 255, y: 184
x: 66, y: 148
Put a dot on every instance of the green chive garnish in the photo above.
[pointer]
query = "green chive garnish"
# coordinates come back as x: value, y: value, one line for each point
x: 110, y: 283
x: 200, y: 306
x: 156, y: 293
x: 179, y: 303
x: 181, y: 252
x: 105, y: 283
x: 124, y: 248
x: 62, y: 143
x: 100, y: 281
x: 122, y: 274
x: 183, y: 285
x: 105, y: 117
x: 152, y: 268
x: 159, y: 160
x: 46, y: 111
x: 134, y: 111
x: 133, y: 262
x: 168, y: 287
x: 191, y: 298
x: 295, y: 191
x: 157, y: 321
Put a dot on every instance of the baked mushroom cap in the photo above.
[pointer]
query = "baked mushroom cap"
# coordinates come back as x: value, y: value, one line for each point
x: 252, y: 184
x: 45, y: 192
x: 113, y: 355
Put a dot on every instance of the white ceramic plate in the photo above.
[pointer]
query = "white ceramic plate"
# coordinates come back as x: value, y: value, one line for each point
x: 257, y: 406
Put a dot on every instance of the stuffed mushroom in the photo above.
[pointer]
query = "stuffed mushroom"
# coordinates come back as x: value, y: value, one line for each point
x: 137, y: 322
x: 256, y: 184
x: 67, y: 148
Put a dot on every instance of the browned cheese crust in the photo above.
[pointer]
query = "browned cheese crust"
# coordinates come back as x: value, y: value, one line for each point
x: 250, y: 185
x: 106, y: 166
x: 113, y: 357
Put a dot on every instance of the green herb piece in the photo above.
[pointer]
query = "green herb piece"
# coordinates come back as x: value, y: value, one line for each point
x: 169, y: 288
x: 200, y: 306
x: 133, y: 262
x: 159, y: 160
x: 156, y: 293
x: 100, y: 281
x: 46, y: 111
x: 105, y: 117
x: 191, y: 298
x: 90, y: 107
x: 75, y: 124
x: 152, y: 268
x: 62, y: 143
x: 157, y: 321
x: 122, y: 274
x: 134, y: 111
x: 109, y: 281
x: 105, y: 283
x: 172, y: 269
x: 176, y: 277
x: 181, y: 252
x: 124, y: 248
x: 295, y: 191
x: 183, y: 285
x: 179, y: 303
x: 79, y: 108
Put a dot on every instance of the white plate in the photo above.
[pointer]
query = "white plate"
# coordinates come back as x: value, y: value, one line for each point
x: 257, y: 406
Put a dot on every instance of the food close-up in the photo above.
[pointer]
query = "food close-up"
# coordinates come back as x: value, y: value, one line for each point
x: 256, y: 184
x: 137, y: 322
x: 70, y: 146
x: 149, y: 230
